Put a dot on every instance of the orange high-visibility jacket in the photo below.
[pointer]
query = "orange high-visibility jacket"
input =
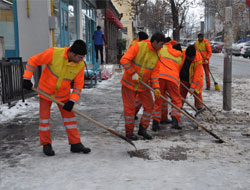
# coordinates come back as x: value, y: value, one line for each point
x: 195, y: 72
x: 173, y: 42
x: 142, y: 59
x: 57, y: 74
x: 204, y: 48
x: 170, y: 62
x: 133, y: 42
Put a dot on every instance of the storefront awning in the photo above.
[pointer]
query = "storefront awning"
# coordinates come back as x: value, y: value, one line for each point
x: 111, y: 16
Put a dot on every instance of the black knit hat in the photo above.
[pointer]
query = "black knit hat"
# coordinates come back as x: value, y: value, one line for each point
x: 191, y: 51
x: 142, y: 35
x: 177, y: 47
x: 78, y: 47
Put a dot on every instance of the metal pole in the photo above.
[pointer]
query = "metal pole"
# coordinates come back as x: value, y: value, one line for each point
x: 228, y: 38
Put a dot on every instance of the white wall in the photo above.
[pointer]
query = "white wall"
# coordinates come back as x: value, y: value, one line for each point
x: 34, y: 33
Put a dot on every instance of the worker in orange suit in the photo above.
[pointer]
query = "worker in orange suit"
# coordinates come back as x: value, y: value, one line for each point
x: 170, y: 62
x: 141, y: 36
x: 203, y: 46
x: 191, y: 75
x: 170, y: 41
x: 62, y: 66
x: 140, y: 63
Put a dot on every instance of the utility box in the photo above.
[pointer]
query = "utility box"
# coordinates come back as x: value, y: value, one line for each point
x: 52, y: 22
x: 2, y: 48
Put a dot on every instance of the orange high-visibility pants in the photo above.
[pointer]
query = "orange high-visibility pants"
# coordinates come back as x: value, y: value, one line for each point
x: 138, y: 104
x: 184, y: 92
x: 207, y: 74
x: 129, y: 107
x: 69, y: 119
x: 160, y: 112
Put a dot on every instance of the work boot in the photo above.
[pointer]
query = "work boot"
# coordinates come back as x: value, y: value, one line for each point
x: 48, y: 150
x: 155, y: 126
x: 79, y: 148
x: 132, y: 137
x: 175, y: 124
x: 167, y: 121
x: 143, y: 132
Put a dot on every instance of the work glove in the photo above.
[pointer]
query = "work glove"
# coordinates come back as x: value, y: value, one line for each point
x: 191, y: 90
x: 68, y: 105
x: 157, y: 93
x: 27, y: 84
x: 135, y: 76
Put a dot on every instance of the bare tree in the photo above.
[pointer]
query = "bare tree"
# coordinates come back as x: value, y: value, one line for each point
x: 161, y: 15
x: 240, y: 15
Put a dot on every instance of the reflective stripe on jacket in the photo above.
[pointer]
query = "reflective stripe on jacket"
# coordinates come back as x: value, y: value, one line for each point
x: 195, y: 72
x: 142, y: 59
x: 170, y: 62
x: 204, y: 48
x: 57, y: 74
x: 133, y: 42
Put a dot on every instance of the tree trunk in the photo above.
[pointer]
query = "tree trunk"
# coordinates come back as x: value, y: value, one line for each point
x: 176, y: 26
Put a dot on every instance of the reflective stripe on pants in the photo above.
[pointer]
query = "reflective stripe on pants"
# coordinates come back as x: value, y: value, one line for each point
x: 161, y: 105
x: 70, y: 123
x: 129, y: 107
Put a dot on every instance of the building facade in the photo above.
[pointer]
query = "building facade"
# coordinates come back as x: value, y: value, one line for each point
x: 29, y: 27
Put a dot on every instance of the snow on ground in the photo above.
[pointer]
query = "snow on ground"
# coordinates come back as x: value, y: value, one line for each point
x: 189, y: 160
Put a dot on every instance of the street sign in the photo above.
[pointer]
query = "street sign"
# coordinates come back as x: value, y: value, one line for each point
x: 248, y: 3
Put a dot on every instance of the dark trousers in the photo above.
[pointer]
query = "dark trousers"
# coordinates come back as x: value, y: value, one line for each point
x: 97, y: 49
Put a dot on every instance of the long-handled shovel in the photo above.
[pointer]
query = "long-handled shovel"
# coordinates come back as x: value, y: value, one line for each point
x: 200, y: 125
x: 194, y: 108
x: 88, y: 118
x: 182, y: 107
x: 198, y: 99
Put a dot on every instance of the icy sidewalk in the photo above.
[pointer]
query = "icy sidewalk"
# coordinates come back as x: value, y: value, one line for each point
x: 189, y: 159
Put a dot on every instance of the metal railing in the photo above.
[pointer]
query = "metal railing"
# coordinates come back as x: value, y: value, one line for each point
x: 12, y: 80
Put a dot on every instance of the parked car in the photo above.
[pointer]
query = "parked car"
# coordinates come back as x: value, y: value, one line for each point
x: 191, y: 42
x: 245, y: 50
x: 236, y: 48
x: 185, y: 41
x: 217, y: 46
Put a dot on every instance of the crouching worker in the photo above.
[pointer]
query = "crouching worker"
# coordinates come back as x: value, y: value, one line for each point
x: 191, y: 75
x: 140, y: 63
x: 62, y: 66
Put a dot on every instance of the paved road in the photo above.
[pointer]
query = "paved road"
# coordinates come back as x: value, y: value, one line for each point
x: 240, y: 65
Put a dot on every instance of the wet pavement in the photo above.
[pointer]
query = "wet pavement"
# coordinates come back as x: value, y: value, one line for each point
x: 102, y: 103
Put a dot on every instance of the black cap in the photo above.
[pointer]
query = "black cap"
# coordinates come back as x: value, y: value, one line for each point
x: 78, y: 47
x: 177, y: 47
x: 142, y: 35
x: 200, y: 35
x: 168, y: 39
x: 191, y: 51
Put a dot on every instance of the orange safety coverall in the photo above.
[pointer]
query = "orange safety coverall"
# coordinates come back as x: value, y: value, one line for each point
x: 169, y: 79
x: 55, y: 81
x: 133, y: 42
x: 205, y: 50
x: 173, y: 42
x: 195, y: 79
x: 142, y: 59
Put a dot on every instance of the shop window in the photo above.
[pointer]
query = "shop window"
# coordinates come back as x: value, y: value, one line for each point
x: 56, y: 11
x: 7, y: 25
x: 72, y: 21
x: 125, y: 30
